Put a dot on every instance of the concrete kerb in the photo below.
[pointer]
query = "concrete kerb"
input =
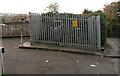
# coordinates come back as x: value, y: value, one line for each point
x: 69, y: 51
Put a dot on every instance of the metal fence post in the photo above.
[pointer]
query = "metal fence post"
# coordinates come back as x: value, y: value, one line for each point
x: 1, y: 61
x: 98, y: 33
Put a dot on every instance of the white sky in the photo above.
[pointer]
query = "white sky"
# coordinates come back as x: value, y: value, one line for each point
x: 38, y: 6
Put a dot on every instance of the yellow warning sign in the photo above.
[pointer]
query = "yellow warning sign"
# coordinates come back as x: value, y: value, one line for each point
x: 74, y: 23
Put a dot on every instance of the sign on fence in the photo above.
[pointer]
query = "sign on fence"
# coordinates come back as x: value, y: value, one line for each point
x: 65, y: 30
x: 74, y: 23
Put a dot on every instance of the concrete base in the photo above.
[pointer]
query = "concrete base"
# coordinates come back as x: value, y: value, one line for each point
x: 27, y: 45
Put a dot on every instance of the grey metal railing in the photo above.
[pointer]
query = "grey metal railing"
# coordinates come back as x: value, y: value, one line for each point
x: 14, y: 29
x: 65, y: 30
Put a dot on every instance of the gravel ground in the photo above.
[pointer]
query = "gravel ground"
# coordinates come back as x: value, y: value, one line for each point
x: 29, y: 61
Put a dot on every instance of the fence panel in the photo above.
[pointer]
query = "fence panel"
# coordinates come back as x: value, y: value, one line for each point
x: 13, y: 30
x: 65, y: 30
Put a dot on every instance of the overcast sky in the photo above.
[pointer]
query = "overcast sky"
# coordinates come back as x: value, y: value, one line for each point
x: 38, y: 6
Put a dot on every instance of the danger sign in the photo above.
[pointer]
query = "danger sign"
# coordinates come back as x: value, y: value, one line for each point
x: 75, y: 23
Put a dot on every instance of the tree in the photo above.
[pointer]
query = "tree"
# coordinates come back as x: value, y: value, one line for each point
x: 110, y: 11
x: 18, y: 17
x: 86, y: 11
x: 7, y: 18
x: 53, y: 8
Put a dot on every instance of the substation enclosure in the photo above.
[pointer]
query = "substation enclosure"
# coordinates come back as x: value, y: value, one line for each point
x: 65, y: 30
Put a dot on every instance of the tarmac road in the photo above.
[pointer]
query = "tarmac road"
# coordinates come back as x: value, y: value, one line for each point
x: 29, y: 61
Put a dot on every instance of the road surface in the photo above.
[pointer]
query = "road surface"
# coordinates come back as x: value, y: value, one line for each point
x: 29, y: 61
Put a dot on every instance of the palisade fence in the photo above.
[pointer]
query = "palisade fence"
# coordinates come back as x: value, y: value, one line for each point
x: 65, y: 30
x: 14, y: 29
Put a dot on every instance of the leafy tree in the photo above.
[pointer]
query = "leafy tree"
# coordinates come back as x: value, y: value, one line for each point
x: 53, y: 8
x: 86, y: 11
x: 110, y: 11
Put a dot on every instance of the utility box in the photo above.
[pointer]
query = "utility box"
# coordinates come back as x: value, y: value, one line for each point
x: 1, y: 61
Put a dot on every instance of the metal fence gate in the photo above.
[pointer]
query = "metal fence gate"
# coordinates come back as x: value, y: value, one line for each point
x: 65, y: 30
